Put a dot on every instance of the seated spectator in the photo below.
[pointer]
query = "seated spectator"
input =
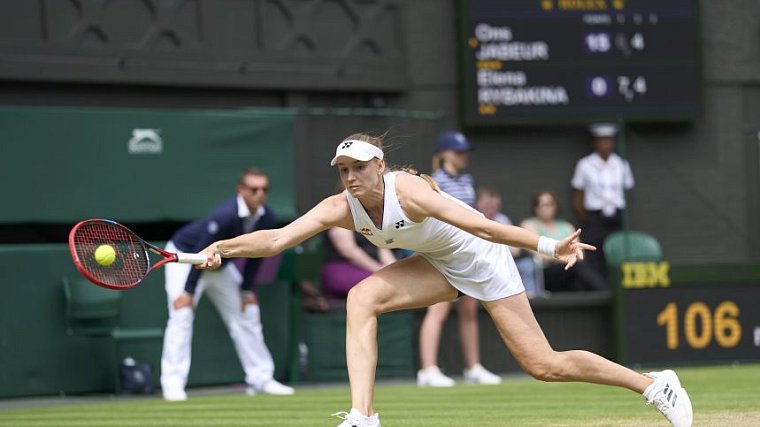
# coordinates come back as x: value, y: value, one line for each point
x: 349, y: 259
x: 488, y: 202
x: 546, y: 221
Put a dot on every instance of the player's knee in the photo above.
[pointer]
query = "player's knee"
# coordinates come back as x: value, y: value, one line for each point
x: 361, y: 300
x: 547, y: 368
x: 542, y: 372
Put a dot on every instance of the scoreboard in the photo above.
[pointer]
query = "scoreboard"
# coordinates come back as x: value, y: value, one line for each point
x: 687, y: 314
x: 579, y: 60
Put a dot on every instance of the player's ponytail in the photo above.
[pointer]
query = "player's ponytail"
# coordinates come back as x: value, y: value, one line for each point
x: 431, y: 182
x: 424, y: 176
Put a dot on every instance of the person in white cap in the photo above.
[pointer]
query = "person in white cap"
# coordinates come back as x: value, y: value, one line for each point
x: 599, y: 182
x: 458, y: 251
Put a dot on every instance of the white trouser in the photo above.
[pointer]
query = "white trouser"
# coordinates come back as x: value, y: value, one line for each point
x: 223, y: 288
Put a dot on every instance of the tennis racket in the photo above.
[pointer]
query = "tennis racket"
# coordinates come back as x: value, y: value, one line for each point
x: 126, y: 262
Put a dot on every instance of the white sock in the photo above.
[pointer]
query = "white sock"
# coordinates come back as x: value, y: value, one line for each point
x: 650, y: 387
x: 368, y: 420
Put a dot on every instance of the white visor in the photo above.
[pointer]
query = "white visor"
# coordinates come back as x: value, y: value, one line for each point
x: 358, y: 150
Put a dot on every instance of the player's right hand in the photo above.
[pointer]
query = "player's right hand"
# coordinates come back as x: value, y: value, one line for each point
x: 213, y: 257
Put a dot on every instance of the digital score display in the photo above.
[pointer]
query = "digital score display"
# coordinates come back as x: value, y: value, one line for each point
x: 580, y: 60
x: 660, y: 322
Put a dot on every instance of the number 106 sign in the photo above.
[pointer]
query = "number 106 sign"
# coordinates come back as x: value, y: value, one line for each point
x: 674, y: 320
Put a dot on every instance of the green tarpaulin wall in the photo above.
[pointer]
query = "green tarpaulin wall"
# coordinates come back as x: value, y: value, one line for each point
x: 39, y: 357
x: 66, y: 164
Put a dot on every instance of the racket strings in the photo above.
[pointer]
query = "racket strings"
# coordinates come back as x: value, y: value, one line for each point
x: 131, y: 263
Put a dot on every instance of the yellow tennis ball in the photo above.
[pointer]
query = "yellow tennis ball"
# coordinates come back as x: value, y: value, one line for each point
x: 105, y: 255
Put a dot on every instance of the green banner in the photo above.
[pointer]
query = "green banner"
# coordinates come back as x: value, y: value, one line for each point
x: 66, y: 164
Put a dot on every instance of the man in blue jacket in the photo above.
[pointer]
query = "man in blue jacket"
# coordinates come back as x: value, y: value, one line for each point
x: 231, y: 292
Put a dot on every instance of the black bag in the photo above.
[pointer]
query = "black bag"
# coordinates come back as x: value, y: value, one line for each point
x: 135, y: 377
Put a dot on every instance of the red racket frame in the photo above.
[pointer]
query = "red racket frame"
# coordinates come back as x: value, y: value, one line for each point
x: 87, y: 235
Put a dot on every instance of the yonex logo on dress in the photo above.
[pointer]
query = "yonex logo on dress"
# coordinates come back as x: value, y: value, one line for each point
x: 366, y: 231
x: 399, y: 224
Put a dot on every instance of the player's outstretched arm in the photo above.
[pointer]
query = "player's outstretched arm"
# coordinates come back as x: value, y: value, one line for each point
x: 419, y: 201
x: 330, y: 212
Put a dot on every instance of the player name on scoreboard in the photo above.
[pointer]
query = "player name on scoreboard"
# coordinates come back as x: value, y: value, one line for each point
x: 560, y: 60
x: 496, y: 45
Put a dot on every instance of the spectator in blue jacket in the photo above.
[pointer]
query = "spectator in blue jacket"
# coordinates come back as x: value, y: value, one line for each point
x: 229, y: 290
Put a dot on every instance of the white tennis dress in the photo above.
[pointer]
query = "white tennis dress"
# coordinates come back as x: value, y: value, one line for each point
x: 476, y: 267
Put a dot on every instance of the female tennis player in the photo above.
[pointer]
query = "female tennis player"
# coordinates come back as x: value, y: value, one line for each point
x: 458, y: 251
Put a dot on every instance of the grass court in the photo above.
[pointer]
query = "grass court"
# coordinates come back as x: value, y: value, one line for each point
x: 721, y: 395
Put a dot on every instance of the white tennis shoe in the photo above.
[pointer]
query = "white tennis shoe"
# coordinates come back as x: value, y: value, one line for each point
x: 480, y: 375
x: 667, y: 395
x: 433, y: 377
x: 356, y: 419
x: 271, y: 387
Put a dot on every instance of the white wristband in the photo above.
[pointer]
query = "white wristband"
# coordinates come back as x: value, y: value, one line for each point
x: 547, y: 246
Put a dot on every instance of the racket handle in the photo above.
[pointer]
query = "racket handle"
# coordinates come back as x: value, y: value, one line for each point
x: 185, y: 258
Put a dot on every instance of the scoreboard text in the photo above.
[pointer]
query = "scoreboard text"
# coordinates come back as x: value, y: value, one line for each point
x: 580, y: 60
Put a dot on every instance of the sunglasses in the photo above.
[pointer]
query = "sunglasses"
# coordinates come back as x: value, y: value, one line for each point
x: 256, y: 189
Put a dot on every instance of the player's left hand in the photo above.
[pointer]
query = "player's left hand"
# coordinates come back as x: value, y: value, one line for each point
x: 570, y: 250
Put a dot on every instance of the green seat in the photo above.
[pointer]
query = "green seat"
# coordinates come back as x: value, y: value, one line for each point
x: 95, y: 311
x: 635, y: 246
x: 90, y: 310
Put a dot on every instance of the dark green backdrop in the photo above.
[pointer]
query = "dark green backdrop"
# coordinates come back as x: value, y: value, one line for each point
x: 37, y: 357
x: 67, y: 164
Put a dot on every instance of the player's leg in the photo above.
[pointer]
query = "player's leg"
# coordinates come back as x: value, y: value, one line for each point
x: 521, y: 333
x: 429, y: 374
x: 176, y: 354
x: 408, y: 283
x: 246, y: 331
x: 523, y: 336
